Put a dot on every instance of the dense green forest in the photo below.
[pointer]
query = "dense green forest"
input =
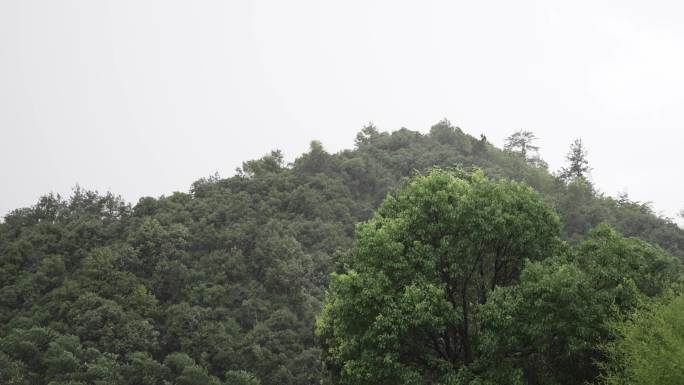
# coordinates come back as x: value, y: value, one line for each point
x: 445, y: 260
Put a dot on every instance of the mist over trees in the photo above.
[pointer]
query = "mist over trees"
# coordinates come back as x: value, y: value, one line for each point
x: 469, y: 265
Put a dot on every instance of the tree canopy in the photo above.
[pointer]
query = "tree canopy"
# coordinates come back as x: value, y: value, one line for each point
x: 406, y: 310
x: 458, y: 279
x: 650, y: 347
x: 222, y: 284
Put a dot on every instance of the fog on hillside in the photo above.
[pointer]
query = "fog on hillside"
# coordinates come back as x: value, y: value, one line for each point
x: 268, y: 193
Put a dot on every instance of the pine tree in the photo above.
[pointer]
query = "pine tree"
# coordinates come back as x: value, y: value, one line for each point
x: 578, y: 168
x: 520, y: 142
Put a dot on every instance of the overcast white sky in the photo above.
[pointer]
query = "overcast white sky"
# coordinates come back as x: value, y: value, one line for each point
x: 144, y: 97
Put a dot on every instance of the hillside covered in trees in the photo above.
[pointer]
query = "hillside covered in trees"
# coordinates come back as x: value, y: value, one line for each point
x: 224, y: 284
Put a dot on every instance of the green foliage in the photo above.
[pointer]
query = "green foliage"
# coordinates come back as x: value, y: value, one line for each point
x: 520, y: 143
x: 233, y: 273
x: 578, y: 165
x: 545, y: 329
x: 627, y: 266
x: 406, y: 309
x: 241, y: 377
x: 549, y: 328
x: 650, y: 349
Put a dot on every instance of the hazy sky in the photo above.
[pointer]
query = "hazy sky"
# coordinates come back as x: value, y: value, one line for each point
x: 144, y: 97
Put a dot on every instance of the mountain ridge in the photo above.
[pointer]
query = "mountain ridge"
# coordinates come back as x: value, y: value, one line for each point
x: 225, y: 281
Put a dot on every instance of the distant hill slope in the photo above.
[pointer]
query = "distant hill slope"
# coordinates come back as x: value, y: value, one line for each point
x: 225, y: 281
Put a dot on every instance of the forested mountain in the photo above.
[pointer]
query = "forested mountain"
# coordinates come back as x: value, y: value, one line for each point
x: 223, y: 284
